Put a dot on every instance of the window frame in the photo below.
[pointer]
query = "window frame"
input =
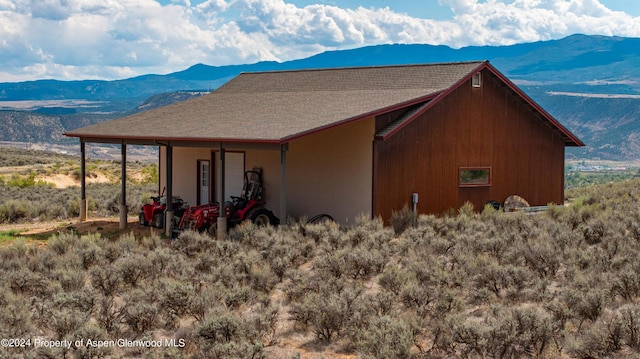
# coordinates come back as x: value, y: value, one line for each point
x: 488, y: 183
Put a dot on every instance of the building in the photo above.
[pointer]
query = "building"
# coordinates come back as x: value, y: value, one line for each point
x: 351, y: 141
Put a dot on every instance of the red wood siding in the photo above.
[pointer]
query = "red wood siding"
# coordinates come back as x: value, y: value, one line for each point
x: 471, y: 127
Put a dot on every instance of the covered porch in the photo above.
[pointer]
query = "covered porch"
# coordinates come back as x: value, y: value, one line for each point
x: 325, y: 172
x: 174, y: 172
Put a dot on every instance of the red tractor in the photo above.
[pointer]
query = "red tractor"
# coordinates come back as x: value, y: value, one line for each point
x: 249, y: 206
x: 153, y: 213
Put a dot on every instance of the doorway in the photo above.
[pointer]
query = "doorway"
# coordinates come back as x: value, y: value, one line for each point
x: 204, y: 182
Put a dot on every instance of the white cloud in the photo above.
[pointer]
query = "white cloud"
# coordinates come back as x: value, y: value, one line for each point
x: 71, y: 39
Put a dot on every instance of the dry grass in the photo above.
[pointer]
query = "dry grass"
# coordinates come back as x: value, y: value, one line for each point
x: 558, y: 284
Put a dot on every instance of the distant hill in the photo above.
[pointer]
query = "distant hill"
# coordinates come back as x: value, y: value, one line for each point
x: 562, y: 75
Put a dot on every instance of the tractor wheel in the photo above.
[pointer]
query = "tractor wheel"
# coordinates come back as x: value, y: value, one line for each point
x: 321, y: 218
x: 158, y: 220
x: 143, y: 220
x: 262, y: 217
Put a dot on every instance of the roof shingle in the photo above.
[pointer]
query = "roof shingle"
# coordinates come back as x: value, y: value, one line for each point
x: 279, y: 106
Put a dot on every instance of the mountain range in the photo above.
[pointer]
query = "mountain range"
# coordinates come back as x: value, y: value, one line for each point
x: 591, y: 84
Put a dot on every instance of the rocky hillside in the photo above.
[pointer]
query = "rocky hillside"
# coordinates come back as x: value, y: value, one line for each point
x: 591, y: 84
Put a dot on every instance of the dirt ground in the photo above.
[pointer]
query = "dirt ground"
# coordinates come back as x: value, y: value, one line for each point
x: 107, y: 227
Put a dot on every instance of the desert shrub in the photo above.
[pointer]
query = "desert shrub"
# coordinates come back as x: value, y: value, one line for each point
x: 417, y: 296
x: 64, y: 320
x: 150, y: 174
x: 502, y: 332
x: 45, y: 202
x: 385, y: 337
x: 236, y: 296
x: 15, y: 210
x: 139, y: 312
x: 174, y: 299
x: 177, y: 265
x: 364, y: 262
x: 355, y: 263
x: 540, y: 257
x: 62, y: 242
x: 602, y: 340
x: 586, y: 303
x: 134, y: 268
x: 326, y: 311
x: 15, y: 315
x: 71, y: 280
x: 262, y: 278
x: 108, y: 314
x: 300, y: 283
x: 159, y: 259
x: 326, y: 234
x: 518, y: 332
x: 200, y: 302
x: 111, y: 251
x: 628, y: 316
x: 370, y: 233
x: 467, y: 209
x: 224, y: 334
x: 463, y: 335
x: 191, y: 243
x: 106, y: 279
x: 505, y: 281
x: 626, y: 284
x: 403, y: 219
x: 45, y: 261
x: 376, y: 304
x: 393, y: 279
x: 284, y: 250
x: 93, y: 332
x: 332, y: 264
x: 25, y: 181
x: 26, y: 282
x: 90, y: 253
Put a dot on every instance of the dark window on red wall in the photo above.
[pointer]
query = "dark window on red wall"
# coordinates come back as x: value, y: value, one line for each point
x: 474, y: 176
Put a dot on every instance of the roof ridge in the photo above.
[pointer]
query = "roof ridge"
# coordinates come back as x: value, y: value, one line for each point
x: 364, y: 67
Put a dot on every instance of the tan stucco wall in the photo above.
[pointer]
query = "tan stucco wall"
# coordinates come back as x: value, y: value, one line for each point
x: 185, y: 161
x: 331, y: 172
x: 328, y: 172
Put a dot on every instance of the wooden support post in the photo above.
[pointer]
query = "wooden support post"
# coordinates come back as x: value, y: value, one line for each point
x: 123, y: 201
x: 168, y: 218
x: 222, y: 218
x: 83, y: 182
x: 283, y: 182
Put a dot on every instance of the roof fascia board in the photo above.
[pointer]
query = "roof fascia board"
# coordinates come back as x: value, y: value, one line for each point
x: 573, y: 140
x: 409, y: 116
x: 182, y: 142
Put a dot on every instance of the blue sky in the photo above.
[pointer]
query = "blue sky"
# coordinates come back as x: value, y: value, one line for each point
x: 109, y: 39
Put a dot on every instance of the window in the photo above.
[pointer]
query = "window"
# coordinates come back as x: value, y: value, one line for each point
x: 474, y: 176
x: 476, y: 80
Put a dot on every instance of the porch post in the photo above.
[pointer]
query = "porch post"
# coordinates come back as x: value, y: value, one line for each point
x: 83, y: 182
x: 283, y: 182
x: 123, y: 200
x: 222, y: 218
x: 168, y: 216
